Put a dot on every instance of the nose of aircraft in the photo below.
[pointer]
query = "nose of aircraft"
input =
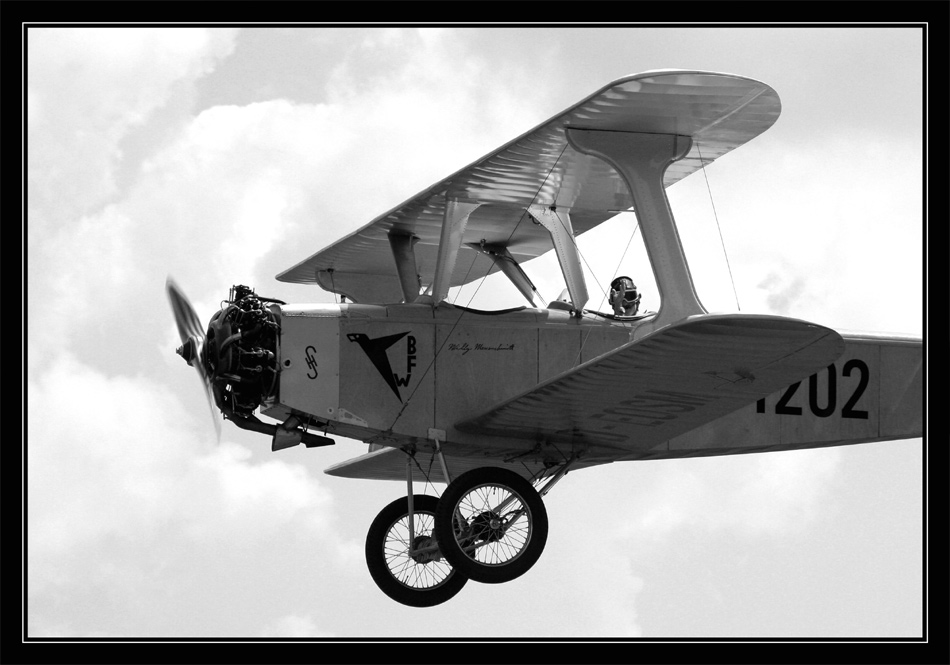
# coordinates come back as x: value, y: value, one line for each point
x: 189, y: 350
x: 192, y: 340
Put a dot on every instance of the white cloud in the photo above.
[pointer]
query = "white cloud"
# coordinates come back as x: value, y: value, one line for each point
x: 294, y: 626
x: 781, y: 493
x: 782, y: 292
x: 825, y: 230
x: 236, y: 181
x: 124, y: 502
x: 87, y: 87
x: 617, y: 606
x: 777, y: 495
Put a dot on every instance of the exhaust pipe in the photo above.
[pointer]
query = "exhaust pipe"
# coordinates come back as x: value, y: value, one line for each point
x: 285, y: 435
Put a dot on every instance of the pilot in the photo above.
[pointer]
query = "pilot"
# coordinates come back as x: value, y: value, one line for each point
x: 624, y: 297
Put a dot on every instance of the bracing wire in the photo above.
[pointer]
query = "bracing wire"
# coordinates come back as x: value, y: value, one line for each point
x: 426, y: 473
x: 467, y: 273
x: 718, y: 227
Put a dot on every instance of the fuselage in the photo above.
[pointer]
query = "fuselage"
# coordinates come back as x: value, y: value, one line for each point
x: 414, y: 376
x: 406, y: 374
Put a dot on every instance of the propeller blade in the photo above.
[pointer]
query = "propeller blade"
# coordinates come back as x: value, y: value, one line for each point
x: 215, y: 414
x: 189, y: 325
x: 192, y: 343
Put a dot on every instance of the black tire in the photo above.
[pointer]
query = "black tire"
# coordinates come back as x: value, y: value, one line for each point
x: 413, y: 582
x: 477, y: 545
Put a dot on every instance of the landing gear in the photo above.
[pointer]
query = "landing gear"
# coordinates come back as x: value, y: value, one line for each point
x: 491, y: 525
x: 412, y: 573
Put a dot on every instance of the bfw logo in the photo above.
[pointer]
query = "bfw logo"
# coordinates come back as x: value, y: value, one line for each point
x: 375, y: 350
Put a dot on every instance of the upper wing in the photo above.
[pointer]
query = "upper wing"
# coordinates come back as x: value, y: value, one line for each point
x: 628, y: 401
x: 719, y: 111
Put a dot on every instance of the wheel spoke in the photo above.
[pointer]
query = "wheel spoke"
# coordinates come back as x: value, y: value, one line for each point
x: 488, y: 535
x: 404, y: 568
x: 410, y: 567
x: 491, y: 524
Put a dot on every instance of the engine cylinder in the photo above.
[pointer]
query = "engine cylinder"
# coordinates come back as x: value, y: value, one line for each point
x: 241, y: 356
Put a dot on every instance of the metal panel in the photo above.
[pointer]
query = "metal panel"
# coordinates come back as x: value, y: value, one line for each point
x: 902, y: 390
x: 481, y: 365
x: 827, y: 392
x: 387, y: 382
x: 310, y: 360
x: 558, y: 350
x: 596, y: 341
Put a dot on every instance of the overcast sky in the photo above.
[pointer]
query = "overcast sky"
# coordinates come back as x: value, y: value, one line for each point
x: 224, y: 156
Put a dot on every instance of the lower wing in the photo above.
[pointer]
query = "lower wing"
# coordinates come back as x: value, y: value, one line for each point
x: 644, y: 393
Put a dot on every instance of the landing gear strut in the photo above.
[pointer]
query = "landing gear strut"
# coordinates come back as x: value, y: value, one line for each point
x: 490, y: 525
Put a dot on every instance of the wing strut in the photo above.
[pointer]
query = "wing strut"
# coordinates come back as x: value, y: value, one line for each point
x: 507, y: 264
x: 405, y: 257
x: 558, y: 223
x: 641, y: 160
x: 454, y: 219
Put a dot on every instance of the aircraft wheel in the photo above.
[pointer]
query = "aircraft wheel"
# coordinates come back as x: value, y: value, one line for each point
x: 420, y: 580
x: 491, y: 525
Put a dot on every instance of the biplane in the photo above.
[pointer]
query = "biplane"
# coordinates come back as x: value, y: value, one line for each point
x: 500, y: 405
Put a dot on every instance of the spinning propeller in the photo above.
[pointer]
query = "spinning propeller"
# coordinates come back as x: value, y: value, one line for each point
x: 192, y: 347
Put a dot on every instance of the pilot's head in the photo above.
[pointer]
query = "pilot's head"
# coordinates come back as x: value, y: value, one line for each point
x: 624, y: 297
